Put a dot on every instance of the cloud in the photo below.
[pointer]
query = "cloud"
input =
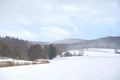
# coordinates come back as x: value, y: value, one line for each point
x: 59, y: 12
x: 54, y: 33
x: 55, y: 19
x: 21, y: 34
x: 66, y: 18
x: 70, y: 8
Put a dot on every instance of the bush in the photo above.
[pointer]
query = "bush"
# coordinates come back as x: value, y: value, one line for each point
x: 67, y: 54
x: 41, y: 61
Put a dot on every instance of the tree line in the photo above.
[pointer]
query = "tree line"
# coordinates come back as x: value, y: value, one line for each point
x: 37, y: 52
x: 20, y: 49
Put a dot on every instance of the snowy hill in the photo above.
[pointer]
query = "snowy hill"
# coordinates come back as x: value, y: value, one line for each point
x: 21, y: 47
x: 68, y: 41
x: 104, y: 42
x: 111, y: 42
x: 98, y: 52
x: 38, y: 42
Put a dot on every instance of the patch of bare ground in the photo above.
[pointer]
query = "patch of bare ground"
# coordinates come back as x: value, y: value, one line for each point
x: 17, y: 63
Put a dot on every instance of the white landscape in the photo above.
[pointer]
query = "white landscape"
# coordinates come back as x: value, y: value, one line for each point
x: 91, y: 66
x: 59, y: 39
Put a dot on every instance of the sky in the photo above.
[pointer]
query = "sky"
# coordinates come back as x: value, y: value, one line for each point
x: 51, y: 20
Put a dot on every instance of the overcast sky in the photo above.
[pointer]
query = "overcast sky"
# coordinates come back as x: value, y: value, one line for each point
x: 50, y: 20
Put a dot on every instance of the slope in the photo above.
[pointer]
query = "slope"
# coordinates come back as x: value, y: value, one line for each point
x: 72, y: 68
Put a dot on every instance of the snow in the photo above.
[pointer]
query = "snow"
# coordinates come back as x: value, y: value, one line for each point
x: 96, y: 52
x: 68, y: 41
x: 96, y: 64
x: 15, y: 61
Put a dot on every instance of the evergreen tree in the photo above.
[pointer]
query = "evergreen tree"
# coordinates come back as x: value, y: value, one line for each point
x: 46, y: 51
x: 52, y: 52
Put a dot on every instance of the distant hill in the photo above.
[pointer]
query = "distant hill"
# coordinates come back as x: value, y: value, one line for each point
x: 71, y: 43
x: 38, y: 42
x: 20, y: 47
x: 68, y: 41
x: 105, y: 42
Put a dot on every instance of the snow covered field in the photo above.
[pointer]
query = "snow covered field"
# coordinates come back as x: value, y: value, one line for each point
x: 89, y: 67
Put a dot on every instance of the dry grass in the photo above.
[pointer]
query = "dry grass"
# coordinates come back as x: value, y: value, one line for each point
x: 12, y: 63
x: 41, y: 62
x: 6, y: 63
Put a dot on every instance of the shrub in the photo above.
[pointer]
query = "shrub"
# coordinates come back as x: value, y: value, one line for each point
x: 67, y: 54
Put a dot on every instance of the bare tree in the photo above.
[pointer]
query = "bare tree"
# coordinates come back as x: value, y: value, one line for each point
x: 35, y: 52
